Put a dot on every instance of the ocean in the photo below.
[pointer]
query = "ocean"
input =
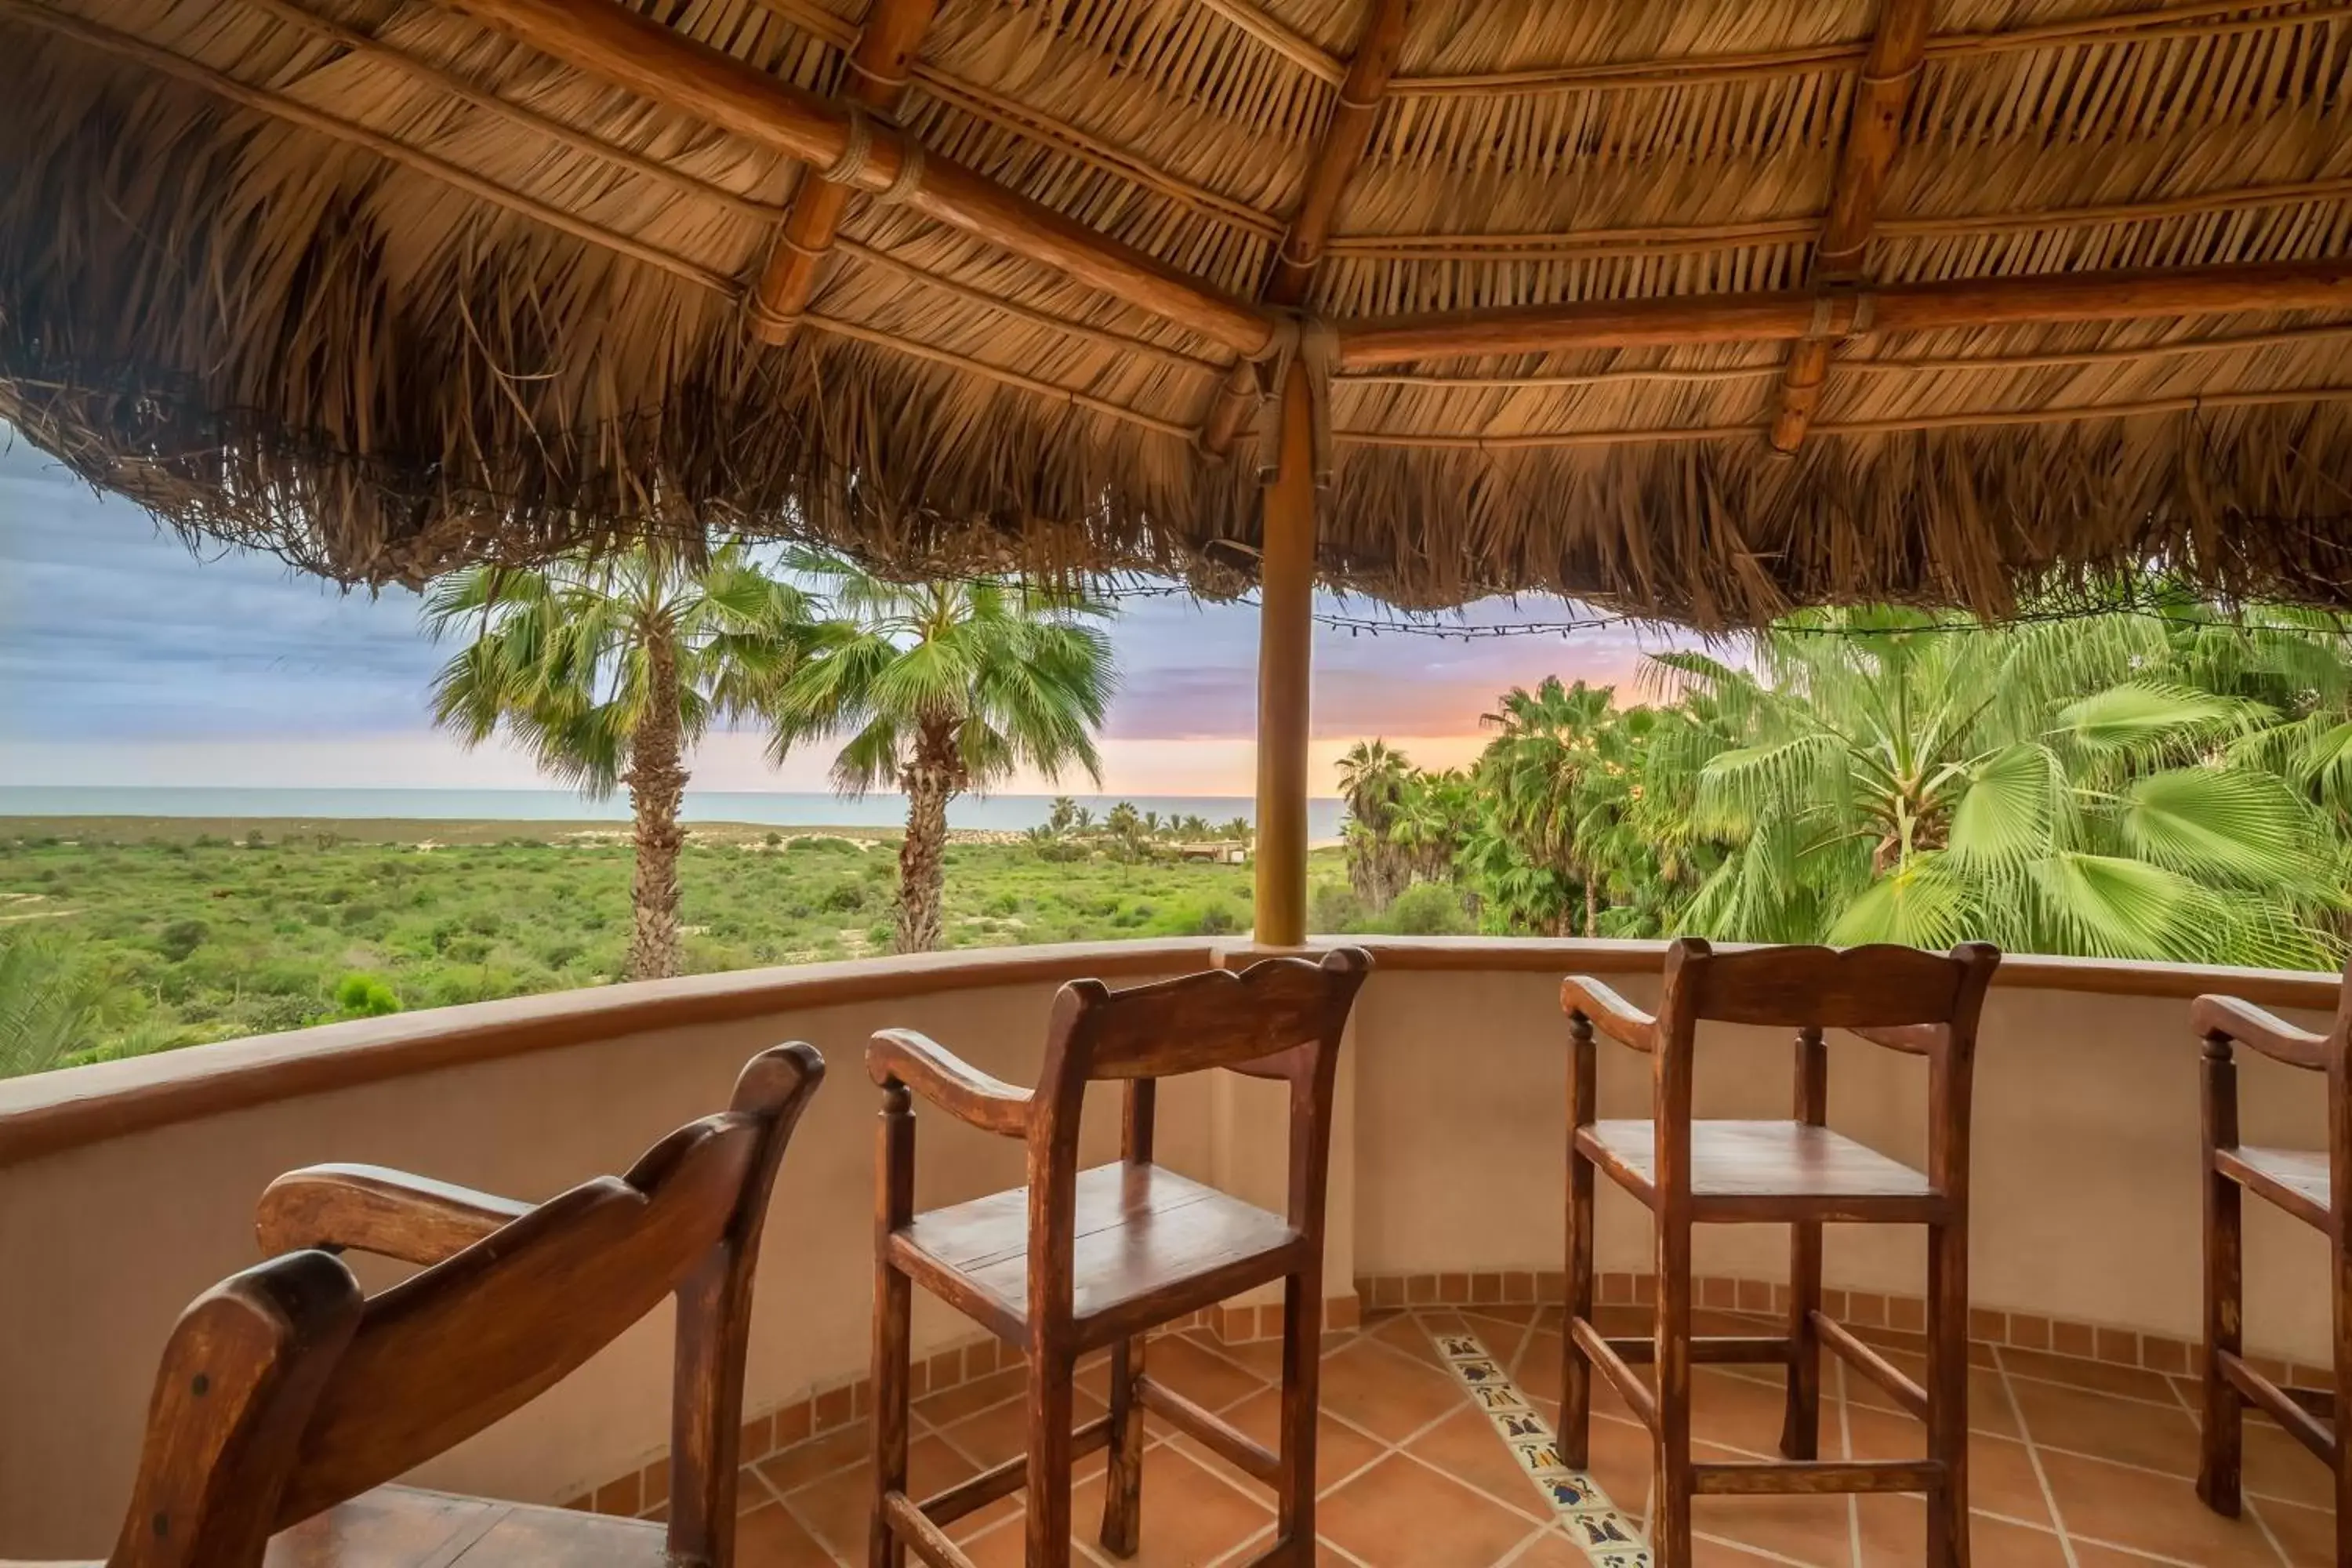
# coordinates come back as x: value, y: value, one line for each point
x: 1003, y: 812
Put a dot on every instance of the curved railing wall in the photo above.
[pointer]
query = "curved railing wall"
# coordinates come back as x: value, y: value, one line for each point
x: 126, y: 1188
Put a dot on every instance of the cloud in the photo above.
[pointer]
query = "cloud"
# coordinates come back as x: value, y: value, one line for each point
x: 126, y: 656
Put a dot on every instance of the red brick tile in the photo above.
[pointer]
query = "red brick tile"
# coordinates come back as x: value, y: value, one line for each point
x: 2028, y: 1331
x: 793, y: 1424
x: 1908, y: 1313
x: 2118, y: 1346
x: 834, y: 1407
x: 1865, y: 1309
x: 769, y: 1537
x: 1401, y: 1514
x: 2074, y: 1340
x: 1454, y: 1290
x: 1987, y: 1324
x: 1421, y: 1288
x: 619, y: 1497
x: 757, y: 1439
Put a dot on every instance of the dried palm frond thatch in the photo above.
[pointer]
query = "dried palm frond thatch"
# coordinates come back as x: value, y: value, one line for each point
x: 377, y: 286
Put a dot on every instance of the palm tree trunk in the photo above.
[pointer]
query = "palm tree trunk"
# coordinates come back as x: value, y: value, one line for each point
x: 929, y: 782
x: 1592, y: 911
x: 657, y: 781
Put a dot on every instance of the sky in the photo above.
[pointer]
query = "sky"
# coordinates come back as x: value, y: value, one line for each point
x: 128, y: 658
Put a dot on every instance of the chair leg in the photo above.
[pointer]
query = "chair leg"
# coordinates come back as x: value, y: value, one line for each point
x: 1575, y: 1368
x: 893, y: 1313
x: 1670, y: 1527
x: 1050, y: 1378
x: 1947, y: 1393
x: 1801, y: 1428
x: 2341, y: 1256
x: 1122, y: 1521
x: 2220, y: 1455
x: 1302, y: 1366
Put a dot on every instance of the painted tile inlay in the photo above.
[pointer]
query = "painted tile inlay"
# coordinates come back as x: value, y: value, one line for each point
x: 1610, y: 1536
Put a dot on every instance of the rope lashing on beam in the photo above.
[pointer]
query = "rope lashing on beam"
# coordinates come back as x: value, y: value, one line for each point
x: 857, y: 151
x: 1314, y: 343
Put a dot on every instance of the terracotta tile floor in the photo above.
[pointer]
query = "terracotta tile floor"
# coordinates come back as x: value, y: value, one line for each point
x: 2071, y: 1468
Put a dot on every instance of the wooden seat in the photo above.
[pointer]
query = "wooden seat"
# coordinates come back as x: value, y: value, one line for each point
x: 1795, y: 1172
x: 2313, y: 1185
x: 287, y: 1400
x: 1076, y: 1258
x: 2296, y: 1180
x: 1140, y: 1235
x: 1767, y: 1171
x: 413, y: 1527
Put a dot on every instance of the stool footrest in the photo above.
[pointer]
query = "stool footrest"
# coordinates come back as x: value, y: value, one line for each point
x: 1872, y: 1365
x: 2287, y: 1407
x: 1818, y: 1476
x: 1004, y: 1479
x: 1601, y: 1354
x: 1236, y: 1448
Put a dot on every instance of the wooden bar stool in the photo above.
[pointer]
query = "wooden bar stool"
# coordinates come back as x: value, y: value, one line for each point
x: 2314, y: 1185
x: 1798, y: 1172
x: 1079, y: 1260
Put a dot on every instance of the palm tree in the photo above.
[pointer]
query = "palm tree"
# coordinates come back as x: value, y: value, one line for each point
x: 943, y: 688
x: 1537, y: 771
x: 2062, y: 787
x: 610, y: 669
x: 1372, y: 782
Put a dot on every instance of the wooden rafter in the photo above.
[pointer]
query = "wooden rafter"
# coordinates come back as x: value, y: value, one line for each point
x: 1290, y: 273
x: 1873, y: 138
x: 616, y: 44
x: 1787, y: 316
x: 876, y: 78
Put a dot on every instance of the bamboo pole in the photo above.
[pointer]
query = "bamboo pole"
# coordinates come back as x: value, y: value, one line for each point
x: 1285, y: 652
x: 1873, y: 138
x: 1894, y: 308
x: 1291, y: 271
x: 616, y: 45
x: 876, y: 80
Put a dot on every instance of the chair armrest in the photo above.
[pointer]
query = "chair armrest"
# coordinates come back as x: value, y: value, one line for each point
x: 955, y: 1086
x: 389, y: 1212
x: 1610, y: 1012
x: 2251, y: 1026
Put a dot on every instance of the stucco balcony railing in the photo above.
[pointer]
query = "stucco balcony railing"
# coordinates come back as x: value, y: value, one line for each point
x: 128, y: 1187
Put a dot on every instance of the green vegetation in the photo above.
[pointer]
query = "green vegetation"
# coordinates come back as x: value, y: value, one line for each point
x: 2168, y: 783
x: 119, y: 937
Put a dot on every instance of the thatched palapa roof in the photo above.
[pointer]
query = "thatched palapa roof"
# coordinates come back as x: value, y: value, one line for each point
x: 1700, y: 307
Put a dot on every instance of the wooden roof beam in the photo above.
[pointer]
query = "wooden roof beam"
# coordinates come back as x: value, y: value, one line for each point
x: 1291, y: 272
x: 1873, y: 138
x: 615, y: 44
x: 1795, y: 314
x: 876, y: 80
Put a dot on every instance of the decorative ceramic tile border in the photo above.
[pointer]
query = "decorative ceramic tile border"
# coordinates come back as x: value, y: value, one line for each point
x: 1864, y: 1310
x: 643, y: 1491
x: 1610, y: 1536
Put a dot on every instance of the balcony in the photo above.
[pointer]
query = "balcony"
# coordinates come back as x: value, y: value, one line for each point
x: 126, y: 1188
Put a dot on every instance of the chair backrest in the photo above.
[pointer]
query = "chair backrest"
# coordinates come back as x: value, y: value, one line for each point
x: 333, y: 1394
x: 1879, y: 986
x: 1901, y: 998
x: 1279, y: 1018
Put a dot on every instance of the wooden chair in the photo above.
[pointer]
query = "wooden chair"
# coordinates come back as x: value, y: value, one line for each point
x: 1797, y: 1173
x: 2314, y: 1185
x: 286, y: 1398
x: 1080, y: 1260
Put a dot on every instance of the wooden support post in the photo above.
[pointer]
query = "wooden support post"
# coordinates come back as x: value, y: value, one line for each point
x: 1284, y: 647
x: 640, y: 55
x: 1290, y: 271
x: 876, y: 78
x: 1872, y: 137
